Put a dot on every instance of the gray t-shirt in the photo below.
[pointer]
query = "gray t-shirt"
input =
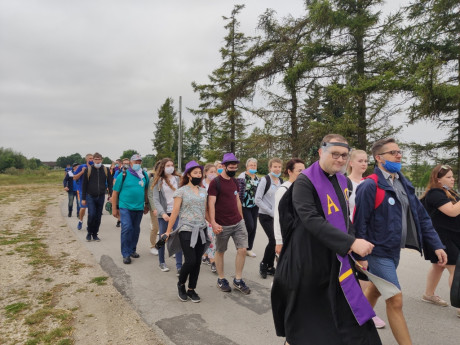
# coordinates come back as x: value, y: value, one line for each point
x: 193, y: 207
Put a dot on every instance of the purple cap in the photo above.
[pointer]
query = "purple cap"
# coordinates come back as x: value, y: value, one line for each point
x: 190, y: 166
x: 136, y: 157
x: 229, y: 158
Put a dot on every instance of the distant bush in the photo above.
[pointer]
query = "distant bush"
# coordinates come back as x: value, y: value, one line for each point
x: 12, y: 171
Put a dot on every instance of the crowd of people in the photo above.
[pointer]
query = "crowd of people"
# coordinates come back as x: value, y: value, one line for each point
x: 329, y: 229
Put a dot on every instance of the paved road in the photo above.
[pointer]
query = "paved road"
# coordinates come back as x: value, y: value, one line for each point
x: 232, y: 318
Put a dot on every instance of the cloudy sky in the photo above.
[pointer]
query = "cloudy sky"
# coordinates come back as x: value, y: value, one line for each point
x: 89, y: 75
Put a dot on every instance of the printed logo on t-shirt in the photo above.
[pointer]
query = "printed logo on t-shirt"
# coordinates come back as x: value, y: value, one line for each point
x: 235, y: 192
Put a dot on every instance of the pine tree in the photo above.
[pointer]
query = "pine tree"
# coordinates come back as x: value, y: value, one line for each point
x: 165, y: 134
x: 193, y: 138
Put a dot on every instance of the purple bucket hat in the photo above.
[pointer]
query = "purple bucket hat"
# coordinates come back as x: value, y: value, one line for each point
x: 230, y: 158
x: 190, y: 166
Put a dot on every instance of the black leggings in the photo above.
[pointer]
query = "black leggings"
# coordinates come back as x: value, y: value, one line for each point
x: 250, y: 220
x: 191, y: 266
x: 269, y: 254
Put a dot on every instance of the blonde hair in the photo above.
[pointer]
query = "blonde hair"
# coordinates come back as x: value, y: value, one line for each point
x: 274, y: 160
x: 353, y: 154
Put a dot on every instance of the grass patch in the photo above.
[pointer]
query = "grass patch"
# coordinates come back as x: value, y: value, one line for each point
x: 14, y: 309
x: 32, y: 177
x: 99, y: 280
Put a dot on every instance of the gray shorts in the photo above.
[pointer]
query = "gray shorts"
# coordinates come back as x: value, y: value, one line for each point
x: 239, y: 234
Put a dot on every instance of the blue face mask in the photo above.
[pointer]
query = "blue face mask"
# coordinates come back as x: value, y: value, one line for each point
x: 220, y: 170
x: 136, y: 167
x: 91, y: 163
x: 252, y: 171
x: 392, y: 167
x: 275, y: 175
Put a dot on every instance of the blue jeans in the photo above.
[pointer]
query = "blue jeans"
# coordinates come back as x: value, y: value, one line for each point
x: 161, y: 252
x: 72, y: 196
x: 95, y: 206
x: 130, y: 229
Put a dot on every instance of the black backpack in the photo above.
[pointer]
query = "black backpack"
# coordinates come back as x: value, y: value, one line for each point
x: 287, y: 215
x: 269, y: 182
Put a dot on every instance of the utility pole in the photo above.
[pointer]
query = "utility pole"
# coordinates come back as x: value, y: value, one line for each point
x: 179, y: 146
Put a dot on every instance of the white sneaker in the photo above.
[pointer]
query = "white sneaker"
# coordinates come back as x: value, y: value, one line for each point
x: 251, y: 254
x: 154, y: 251
x: 164, y: 268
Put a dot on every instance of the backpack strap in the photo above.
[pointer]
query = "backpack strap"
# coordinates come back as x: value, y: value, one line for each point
x: 89, y: 171
x: 380, y: 193
x: 267, y: 185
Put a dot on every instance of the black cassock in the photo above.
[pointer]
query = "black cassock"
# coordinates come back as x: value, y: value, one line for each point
x: 308, y: 304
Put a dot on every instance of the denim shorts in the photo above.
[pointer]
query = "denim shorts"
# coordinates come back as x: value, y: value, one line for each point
x: 384, y: 268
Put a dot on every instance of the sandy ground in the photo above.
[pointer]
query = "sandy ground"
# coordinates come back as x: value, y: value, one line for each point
x: 46, y: 291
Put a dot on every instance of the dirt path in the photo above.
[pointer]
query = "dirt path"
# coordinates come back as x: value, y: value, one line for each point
x: 52, y: 291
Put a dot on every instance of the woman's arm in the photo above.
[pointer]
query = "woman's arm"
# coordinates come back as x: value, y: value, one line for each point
x: 174, y: 214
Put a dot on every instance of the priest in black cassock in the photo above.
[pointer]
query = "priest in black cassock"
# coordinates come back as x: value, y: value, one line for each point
x: 316, y: 298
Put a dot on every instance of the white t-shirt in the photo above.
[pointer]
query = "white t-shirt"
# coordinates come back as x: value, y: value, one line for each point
x: 168, y: 193
x: 276, y: 217
x: 351, y: 199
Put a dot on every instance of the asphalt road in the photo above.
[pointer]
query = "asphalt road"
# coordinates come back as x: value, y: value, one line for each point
x: 233, y: 318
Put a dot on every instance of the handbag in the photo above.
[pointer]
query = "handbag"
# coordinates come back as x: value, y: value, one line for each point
x: 455, y: 288
x: 108, y: 207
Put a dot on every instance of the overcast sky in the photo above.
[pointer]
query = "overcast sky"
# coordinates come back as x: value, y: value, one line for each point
x: 89, y: 75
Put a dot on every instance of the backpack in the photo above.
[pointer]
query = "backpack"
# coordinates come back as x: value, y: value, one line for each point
x: 123, y: 180
x: 269, y: 182
x: 287, y: 216
x: 380, y: 193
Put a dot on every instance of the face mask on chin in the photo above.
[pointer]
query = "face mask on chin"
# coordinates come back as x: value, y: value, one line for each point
x: 392, y: 167
x: 97, y: 165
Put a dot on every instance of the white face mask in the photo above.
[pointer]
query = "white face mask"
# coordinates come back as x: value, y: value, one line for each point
x: 169, y: 170
x: 97, y: 165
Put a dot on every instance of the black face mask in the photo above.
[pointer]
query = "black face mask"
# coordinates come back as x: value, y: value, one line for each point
x: 230, y: 173
x: 196, y: 181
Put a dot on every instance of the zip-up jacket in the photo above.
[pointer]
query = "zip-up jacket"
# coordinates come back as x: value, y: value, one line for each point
x: 382, y: 226
x: 97, y: 183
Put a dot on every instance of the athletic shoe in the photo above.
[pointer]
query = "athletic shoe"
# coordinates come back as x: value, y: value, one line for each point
x: 127, y: 260
x: 183, y: 296
x: 223, y: 285
x: 135, y: 255
x: 164, y: 268
x: 241, y: 285
x: 205, y: 260
x: 118, y: 224
x: 251, y: 254
x: 97, y: 239
x: 154, y: 251
x: 213, y: 267
x: 88, y: 237
x: 193, y: 296
x: 435, y: 300
x: 378, y: 322
x: 178, y: 272
x: 271, y: 271
x: 263, y: 270
x: 79, y: 226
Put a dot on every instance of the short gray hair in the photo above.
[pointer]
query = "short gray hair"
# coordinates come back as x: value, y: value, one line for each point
x: 251, y: 160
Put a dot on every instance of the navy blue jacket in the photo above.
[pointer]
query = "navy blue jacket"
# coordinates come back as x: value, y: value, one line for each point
x: 382, y: 226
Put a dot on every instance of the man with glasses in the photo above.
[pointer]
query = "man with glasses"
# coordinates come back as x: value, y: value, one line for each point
x: 397, y: 221
x: 315, y: 294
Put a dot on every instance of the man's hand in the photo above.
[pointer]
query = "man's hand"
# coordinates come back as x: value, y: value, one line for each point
x: 146, y: 209
x: 115, y: 212
x: 216, y: 228
x: 362, y: 247
x: 365, y: 264
x: 66, y: 189
x: 442, y: 257
x: 83, y: 202
x: 278, y: 248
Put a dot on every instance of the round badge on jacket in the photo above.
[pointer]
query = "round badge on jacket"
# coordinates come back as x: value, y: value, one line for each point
x: 391, y: 201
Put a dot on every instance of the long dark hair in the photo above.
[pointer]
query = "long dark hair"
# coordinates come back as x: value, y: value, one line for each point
x: 186, y: 179
x: 161, y: 175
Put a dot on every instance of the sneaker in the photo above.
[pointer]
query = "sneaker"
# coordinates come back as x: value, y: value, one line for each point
x: 127, y: 260
x: 178, y: 272
x: 213, y: 267
x: 118, y: 224
x: 435, y: 300
x: 97, y: 239
x: 88, y: 237
x: 263, y: 270
x: 241, y: 285
x: 183, y: 296
x: 154, y: 251
x: 223, y: 285
x: 193, y: 296
x: 271, y: 271
x: 378, y: 322
x: 251, y: 254
x: 80, y: 224
x: 164, y: 268
x: 135, y: 255
x: 205, y: 260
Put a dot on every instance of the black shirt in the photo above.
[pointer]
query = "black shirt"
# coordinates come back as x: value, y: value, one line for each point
x: 434, y: 199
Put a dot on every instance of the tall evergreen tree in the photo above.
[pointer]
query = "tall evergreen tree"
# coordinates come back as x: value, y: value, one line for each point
x: 165, y: 134
x: 430, y: 44
x: 193, y: 138
x: 221, y: 102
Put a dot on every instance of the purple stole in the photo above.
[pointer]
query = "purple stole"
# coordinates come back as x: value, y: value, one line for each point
x: 330, y: 203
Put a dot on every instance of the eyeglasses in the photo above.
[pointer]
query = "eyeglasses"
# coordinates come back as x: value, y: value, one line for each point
x: 392, y: 152
x: 336, y: 155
